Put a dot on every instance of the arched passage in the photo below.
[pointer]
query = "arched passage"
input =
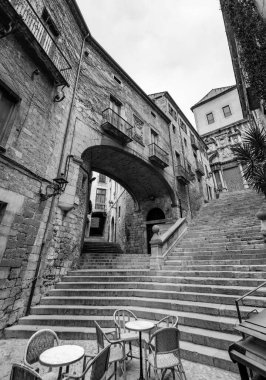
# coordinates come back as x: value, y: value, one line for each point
x: 142, y: 181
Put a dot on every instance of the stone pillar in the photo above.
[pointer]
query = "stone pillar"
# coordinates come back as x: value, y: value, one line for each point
x: 222, y: 179
x: 156, y: 249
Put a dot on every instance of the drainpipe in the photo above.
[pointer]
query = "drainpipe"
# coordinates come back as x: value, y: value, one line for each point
x: 174, y: 168
x: 45, y: 235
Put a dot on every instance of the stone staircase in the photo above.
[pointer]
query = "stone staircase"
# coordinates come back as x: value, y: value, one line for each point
x: 221, y: 257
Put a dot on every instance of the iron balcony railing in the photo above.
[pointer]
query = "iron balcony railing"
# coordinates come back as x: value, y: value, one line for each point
x: 156, y: 153
x: 199, y: 168
x: 183, y: 174
x: 43, y: 36
x: 115, y: 125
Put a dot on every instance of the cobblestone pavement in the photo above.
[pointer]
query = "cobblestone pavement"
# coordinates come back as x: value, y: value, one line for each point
x: 12, y: 350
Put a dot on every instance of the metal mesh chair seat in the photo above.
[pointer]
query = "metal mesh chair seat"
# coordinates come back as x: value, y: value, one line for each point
x: 164, y: 360
x: 129, y: 336
x: 116, y: 354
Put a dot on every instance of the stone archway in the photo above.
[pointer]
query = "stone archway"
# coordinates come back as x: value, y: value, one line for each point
x: 148, y: 187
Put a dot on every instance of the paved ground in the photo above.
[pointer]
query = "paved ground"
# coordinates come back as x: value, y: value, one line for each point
x: 12, y: 350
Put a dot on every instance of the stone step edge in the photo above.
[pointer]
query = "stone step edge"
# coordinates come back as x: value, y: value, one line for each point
x: 228, y: 320
x: 162, y: 284
x: 195, y: 330
x: 233, y: 296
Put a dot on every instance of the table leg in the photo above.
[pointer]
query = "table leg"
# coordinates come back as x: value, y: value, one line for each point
x: 140, y: 358
x: 59, y: 373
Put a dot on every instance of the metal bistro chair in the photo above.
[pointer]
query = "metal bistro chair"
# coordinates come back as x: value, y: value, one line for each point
x: 98, y: 365
x: 38, y: 343
x: 168, y: 321
x: 164, y: 353
x: 121, y: 317
x: 117, y: 352
x: 22, y: 372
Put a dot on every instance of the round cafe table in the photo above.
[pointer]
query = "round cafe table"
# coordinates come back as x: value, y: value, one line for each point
x: 60, y: 356
x: 140, y: 326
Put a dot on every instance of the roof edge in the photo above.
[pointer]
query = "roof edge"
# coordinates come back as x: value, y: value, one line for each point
x: 213, y: 97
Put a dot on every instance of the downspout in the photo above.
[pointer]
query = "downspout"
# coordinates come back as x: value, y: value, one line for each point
x: 45, y: 235
x: 174, y: 169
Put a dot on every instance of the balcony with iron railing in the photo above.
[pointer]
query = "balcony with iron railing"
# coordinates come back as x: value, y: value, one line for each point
x: 31, y: 30
x: 158, y: 156
x: 183, y: 175
x: 199, y: 168
x: 116, y: 127
x: 194, y: 142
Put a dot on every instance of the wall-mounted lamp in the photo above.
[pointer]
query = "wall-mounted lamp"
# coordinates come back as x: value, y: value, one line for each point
x: 55, y: 188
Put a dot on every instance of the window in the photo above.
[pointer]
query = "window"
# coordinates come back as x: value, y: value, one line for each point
x: 50, y: 24
x: 178, y: 159
x: 210, y: 118
x: 100, y: 196
x: 154, y: 137
x: 2, y: 210
x: 102, y: 178
x: 117, y: 79
x: 172, y: 112
x: 7, y: 104
x: 119, y: 211
x: 185, y: 142
x: 173, y: 128
x: 227, y: 112
x: 115, y: 104
x: 183, y: 125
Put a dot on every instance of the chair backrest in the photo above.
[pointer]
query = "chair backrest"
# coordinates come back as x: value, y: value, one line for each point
x: 122, y: 316
x: 166, y: 340
x: 22, y: 372
x: 38, y: 343
x: 99, y: 364
x: 99, y: 336
x: 169, y: 321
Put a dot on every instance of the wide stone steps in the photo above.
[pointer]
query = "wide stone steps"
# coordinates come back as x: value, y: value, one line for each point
x: 221, y: 257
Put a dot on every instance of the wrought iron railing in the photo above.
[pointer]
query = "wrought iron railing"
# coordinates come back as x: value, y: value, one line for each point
x: 157, y: 151
x: 43, y: 36
x: 117, y: 121
x: 241, y: 299
x: 200, y: 167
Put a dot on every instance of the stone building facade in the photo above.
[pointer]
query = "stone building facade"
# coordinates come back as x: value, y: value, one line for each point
x: 220, y: 122
x: 69, y: 109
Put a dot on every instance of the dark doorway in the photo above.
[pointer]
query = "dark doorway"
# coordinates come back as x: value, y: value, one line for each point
x: 155, y: 216
x: 97, y: 223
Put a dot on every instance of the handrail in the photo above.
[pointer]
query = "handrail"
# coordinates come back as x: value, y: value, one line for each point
x: 244, y: 296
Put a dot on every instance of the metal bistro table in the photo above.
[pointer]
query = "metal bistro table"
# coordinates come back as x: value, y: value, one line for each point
x: 60, y: 356
x: 140, y: 326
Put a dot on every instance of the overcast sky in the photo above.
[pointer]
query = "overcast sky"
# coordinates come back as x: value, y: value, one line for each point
x: 174, y: 45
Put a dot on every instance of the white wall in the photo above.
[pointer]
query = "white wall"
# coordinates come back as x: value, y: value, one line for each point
x: 215, y: 106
